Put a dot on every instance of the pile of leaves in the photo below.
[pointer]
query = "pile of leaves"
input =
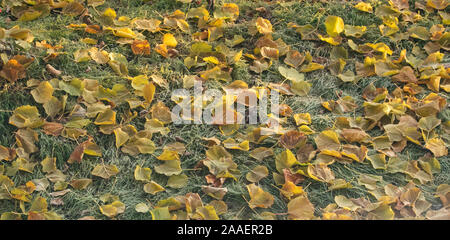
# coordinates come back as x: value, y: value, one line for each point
x: 373, y: 133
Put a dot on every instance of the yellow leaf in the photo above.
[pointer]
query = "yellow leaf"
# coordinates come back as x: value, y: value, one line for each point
x: 162, y: 49
x: 105, y: 171
x: 107, y: 117
x: 269, y: 52
x: 354, y: 31
x: 331, y: 40
x: 92, y: 149
x: 383, y: 212
x: 294, y: 58
x: 286, y: 159
x: 30, y: 15
x: 151, y: 25
x: 290, y: 190
x: 302, y: 118
x: 168, y: 155
x: 149, y: 92
x: 301, y: 87
x: 445, y: 17
x: 156, y: 126
x: 339, y: 184
x: 74, y: 87
x: 160, y: 81
x: 306, y: 130
x: 334, y: 25
x: 207, y: 213
x: 121, y: 137
x: 43, y: 93
x: 39, y: 204
x: 312, y: 66
x: 26, y: 117
x: 291, y: 74
x: 419, y: 32
x: 365, y: 7
x: 378, y: 161
x: 211, y: 59
x: 199, y: 12
x: 161, y: 112
x: 142, y: 174
x: 261, y: 153
x: 80, y: 184
x: 139, y: 144
x: 230, y: 143
x: 6, y: 154
x: 153, y: 188
x: 81, y: 55
x: 139, y: 82
x: 300, y: 208
x: 142, y: 208
x: 263, y: 25
x: 380, y: 47
x: 100, y: 57
x: 437, y: 147
x: 95, y: 3
x: 214, y: 33
x: 169, y: 168
x: 258, y: 197
x: 183, y: 25
x: 177, y: 181
x: 73, y: 9
x: 124, y: 32
x: 328, y: 140
x: 109, y: 12
x: 257, y: 173
x: 228, y: 129
x: 346, y: 203
x: 320, y: 172
x: 161, y: 213
x: 20, y: 34
x: 48, y: 164
x: 438, y: 4
x: 169, y: 40
x: 111, y: 210
x: 228, y: 10
x: 215, y: 192
x: 220, y: 162
x: 26, y: 139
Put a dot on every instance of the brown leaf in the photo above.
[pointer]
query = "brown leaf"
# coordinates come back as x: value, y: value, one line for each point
x: 53, y: 70
x: 406, y: 75
x: 258, y: 197
x: 354, y: 135
x: 216, y: 182
x: 300, y: 208
x: 77, y: 154
x: 306, y: 153
x: 7, y: 154
x: 80, y: 184
x: 215, y: 192
x: 291, y: 177
x: 261, y: 153
x: 292, y: 139
x: 140, y: 47
x: 294, y: 58
x: 53, y: 128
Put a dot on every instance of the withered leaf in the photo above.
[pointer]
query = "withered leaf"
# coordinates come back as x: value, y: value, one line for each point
x: 105, y: 171
x: 258, y: 197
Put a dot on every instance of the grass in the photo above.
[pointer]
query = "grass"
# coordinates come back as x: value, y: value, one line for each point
x: 79, y: 203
